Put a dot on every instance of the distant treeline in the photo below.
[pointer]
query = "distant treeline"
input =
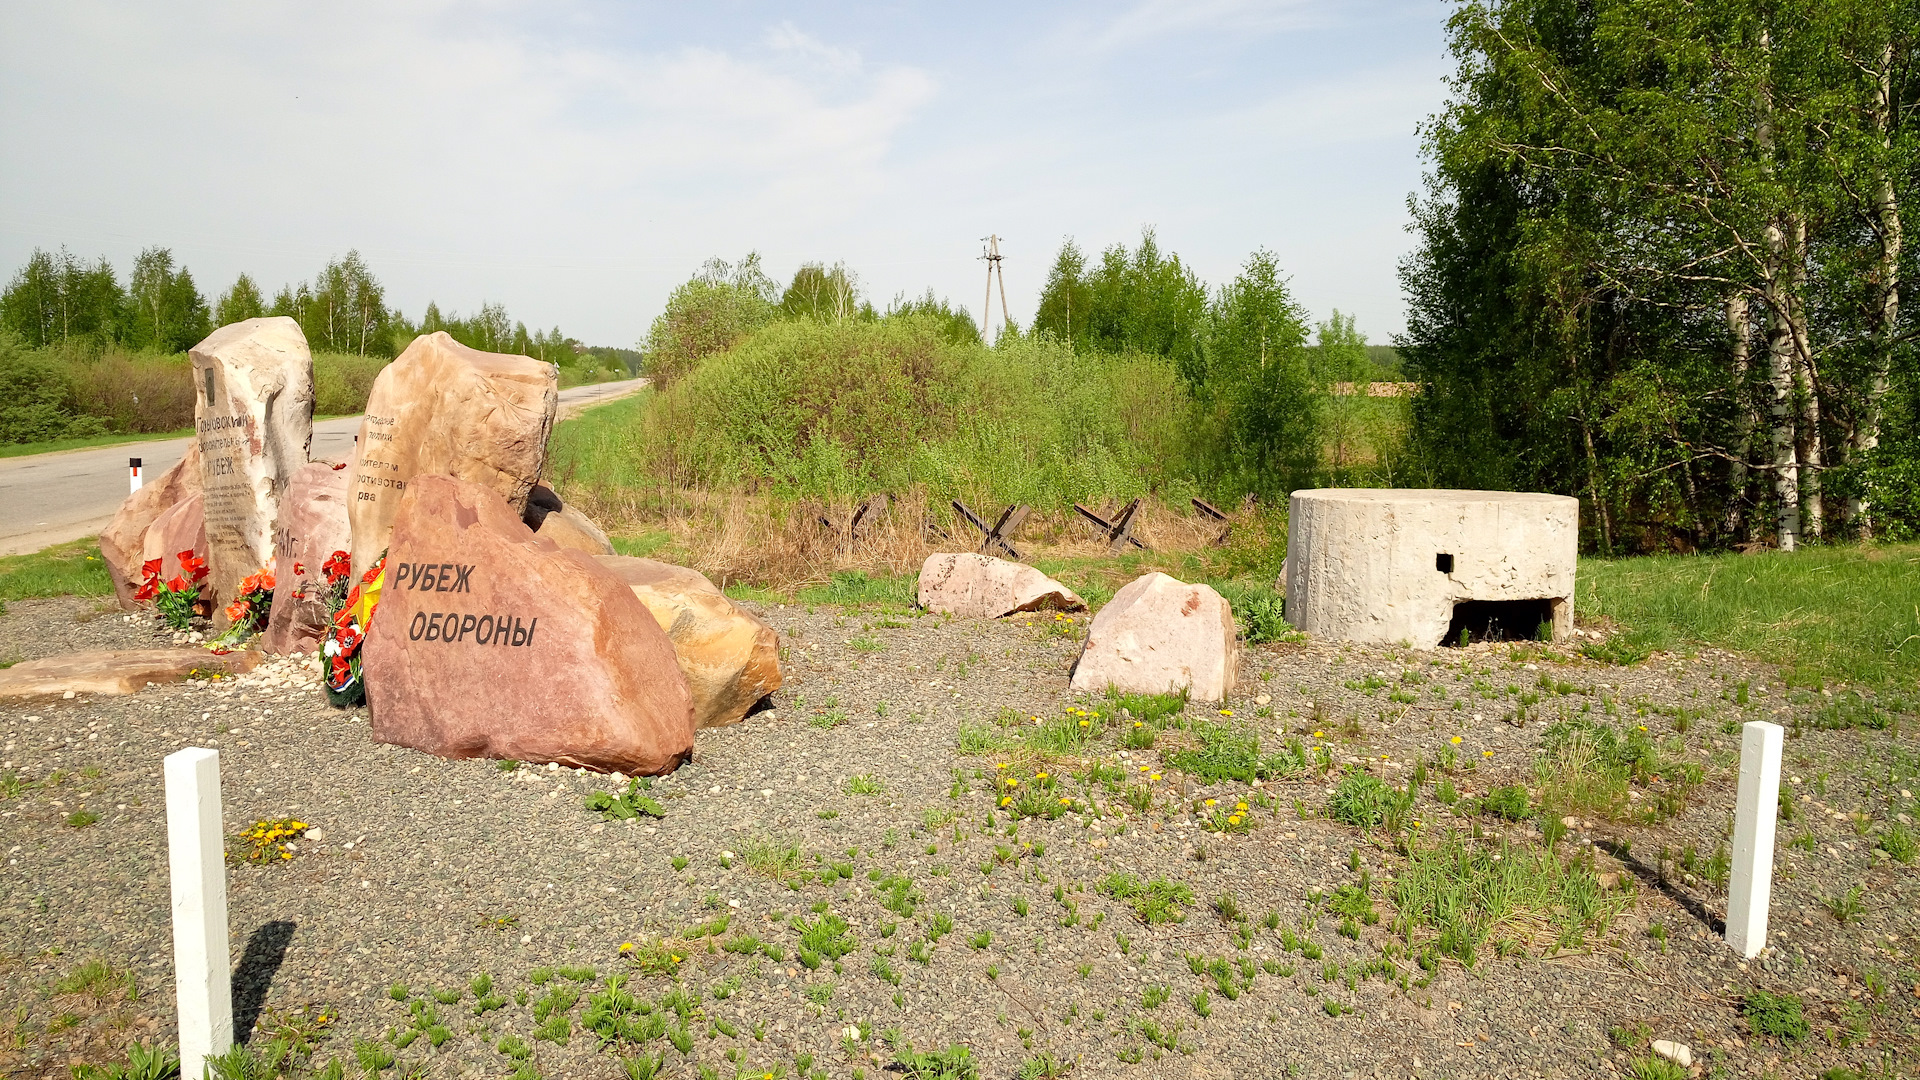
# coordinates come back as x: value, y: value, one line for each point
x: 83, y: 354
x: 58, y: 298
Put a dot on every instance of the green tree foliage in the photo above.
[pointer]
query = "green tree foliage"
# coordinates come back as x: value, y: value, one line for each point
x: 824, y: 292
x: 166, y: 312
x: 717, y: 308
x: 241, y: 302
x: 1343, y: 368
x: 956, y: 325
x: 1132, y: 302
x: 1661, y: 265
x: 344, y: 310
x: 58, y: 298
x: 1256, y: 380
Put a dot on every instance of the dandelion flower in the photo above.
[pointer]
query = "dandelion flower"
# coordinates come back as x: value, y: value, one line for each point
x: 1005, y: 799
x: 1002, y: 765
x: 1011, y: 782
x: 1226, y: 712
x: 1486, y: 753
x: 1210, y: 802
x: 1234, y: 820
x: 1455, y: 740
x: 1064, y: 801
x: 1154, y: 776
x: 1319, y: 734
x: 1239, y: 806
x: 1084, y: 723
x: 1039, y: 776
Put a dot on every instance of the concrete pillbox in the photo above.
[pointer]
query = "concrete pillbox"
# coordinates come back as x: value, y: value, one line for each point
x: 1420, y: 566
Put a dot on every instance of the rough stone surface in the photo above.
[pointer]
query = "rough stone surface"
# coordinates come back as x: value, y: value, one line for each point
x: 1160, y: 635
x: 253, y: 415
x: 124, y: 539
x: 581, y: 674
x: 1677, y: 1052
x: 730, y: 658
x: 442, y: 409
x: 313, y: 525
x: 563, y: 524
x: 986, y: 587
x: 1367, y: 564
x: 181, y: 528
x: 115, y: 671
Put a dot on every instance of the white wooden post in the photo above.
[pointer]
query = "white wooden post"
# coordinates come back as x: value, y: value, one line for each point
x: 1753, y: 819
x: 197, y: 856
x: 133, y: 475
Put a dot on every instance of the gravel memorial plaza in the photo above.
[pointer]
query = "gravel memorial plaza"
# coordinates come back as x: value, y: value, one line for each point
x: 835, y: 878
x: 661, y: 829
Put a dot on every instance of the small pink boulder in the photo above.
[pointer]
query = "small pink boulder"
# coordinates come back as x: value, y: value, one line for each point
x: 1160, y: 635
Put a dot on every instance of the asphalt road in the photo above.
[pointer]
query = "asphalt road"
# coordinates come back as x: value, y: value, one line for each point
x: 52, y: 498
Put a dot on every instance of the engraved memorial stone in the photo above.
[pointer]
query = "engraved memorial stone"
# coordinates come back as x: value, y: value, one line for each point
x: 253, y: 418
x: 491, y: 642
x: 442, y: 409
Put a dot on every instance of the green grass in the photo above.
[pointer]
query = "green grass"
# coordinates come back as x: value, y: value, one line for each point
x: 1459, y: 894
x: 1843, y: 612
x: 8, y: 450
x: 1230, y: 752
x: 70, y: 569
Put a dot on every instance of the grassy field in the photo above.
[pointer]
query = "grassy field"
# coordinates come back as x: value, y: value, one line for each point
x: 70, y: 569
x: 1845, y: 613
x: 8, y: 450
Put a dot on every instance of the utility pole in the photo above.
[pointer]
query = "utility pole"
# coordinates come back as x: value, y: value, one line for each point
x: 991, y: 253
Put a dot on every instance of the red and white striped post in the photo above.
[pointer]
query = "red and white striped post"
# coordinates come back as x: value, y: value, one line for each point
x: 133, y: 475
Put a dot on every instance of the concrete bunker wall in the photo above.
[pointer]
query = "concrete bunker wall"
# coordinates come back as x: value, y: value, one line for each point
x: 1418, y: 565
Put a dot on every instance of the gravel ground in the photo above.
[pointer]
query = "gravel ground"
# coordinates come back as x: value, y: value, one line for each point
x: 423, y: 874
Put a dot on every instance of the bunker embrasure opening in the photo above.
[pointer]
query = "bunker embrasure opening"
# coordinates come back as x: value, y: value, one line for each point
x: 1500, y: 620
x: 1443, y: 563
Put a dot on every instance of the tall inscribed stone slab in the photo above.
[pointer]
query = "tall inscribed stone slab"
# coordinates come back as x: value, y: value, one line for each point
x: 253, y: 417
x: 442, y: 409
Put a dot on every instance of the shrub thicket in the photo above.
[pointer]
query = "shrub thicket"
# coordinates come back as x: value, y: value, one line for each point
x: 831, y: 409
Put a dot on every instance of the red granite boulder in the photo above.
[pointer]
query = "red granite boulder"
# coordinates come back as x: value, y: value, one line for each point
x: 313, y: 525
x: 182, y: 527
x: 123, y: 541
x: 492, y: 642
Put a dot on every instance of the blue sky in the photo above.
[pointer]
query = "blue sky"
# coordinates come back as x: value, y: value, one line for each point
x: 576, y: 160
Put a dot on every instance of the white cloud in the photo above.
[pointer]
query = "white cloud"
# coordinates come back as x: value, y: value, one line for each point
x: 1153, y: 20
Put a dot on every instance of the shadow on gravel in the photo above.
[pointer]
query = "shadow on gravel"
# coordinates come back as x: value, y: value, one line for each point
x: 1652, y: 877
x: 266, y: 951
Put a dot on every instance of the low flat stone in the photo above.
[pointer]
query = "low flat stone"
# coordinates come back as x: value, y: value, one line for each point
x: 730, y: 658
x: 1160, y: 635
x: 313, y: 525
x: 983, y: 586
x: 492, y: 642
x: 123, y: 541
x: 116, y: 671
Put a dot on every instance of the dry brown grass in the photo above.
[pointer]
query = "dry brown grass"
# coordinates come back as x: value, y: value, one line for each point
x: 743, y: 536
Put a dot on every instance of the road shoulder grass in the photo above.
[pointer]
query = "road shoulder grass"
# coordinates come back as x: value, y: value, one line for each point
x: 1849, y: 613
